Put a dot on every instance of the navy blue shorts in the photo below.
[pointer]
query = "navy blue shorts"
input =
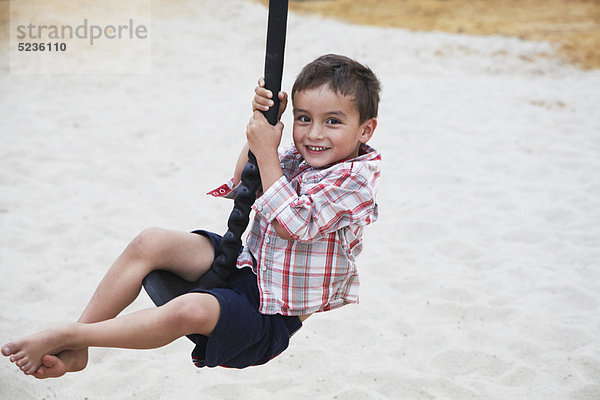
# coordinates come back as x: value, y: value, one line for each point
x: 243, y: 336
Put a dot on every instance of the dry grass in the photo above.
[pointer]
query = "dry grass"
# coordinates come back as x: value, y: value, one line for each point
x: 572, y: 25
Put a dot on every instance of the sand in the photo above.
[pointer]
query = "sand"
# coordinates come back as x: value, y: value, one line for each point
x: 479, y: 281
x: 572, y: 26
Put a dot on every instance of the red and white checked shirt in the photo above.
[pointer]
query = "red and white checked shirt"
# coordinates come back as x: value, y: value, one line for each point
x: 325, y: 211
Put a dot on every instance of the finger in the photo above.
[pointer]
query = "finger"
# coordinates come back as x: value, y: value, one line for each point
x: 263, y: 100
x: 266, y: 93
x: 283, y: 99
x: 262, y: 105
x: 261, y: 82
x: 282, y: 104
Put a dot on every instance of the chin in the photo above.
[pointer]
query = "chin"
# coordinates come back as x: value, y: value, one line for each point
x: 318, y: 163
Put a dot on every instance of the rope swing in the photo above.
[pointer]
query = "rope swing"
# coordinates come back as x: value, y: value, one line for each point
x: 163, y: 286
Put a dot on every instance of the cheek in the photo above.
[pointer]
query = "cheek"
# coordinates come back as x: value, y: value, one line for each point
x: 297, y: 133
x: 344, y: 142
x: 339, y: 139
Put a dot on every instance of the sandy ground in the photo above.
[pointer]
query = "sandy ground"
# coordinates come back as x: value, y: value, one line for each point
x: 479, y: 281
x: 572, y: 26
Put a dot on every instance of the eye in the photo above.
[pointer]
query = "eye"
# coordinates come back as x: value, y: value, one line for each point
x: 333, y: 121
x: 303, y: 118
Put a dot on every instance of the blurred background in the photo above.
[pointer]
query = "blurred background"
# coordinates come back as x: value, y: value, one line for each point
x: 573, y: 26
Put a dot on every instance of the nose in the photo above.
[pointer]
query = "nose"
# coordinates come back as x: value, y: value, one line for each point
x: 314, y: 132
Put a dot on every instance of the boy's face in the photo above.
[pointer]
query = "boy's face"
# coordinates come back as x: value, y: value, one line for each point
x: 327, y: 126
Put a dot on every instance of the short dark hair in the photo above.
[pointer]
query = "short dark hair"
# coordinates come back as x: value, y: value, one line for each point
x: 344, y: 76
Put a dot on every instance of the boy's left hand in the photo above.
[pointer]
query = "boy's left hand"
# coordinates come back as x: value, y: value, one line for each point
x: 263, y: 99
x: 263, y: 138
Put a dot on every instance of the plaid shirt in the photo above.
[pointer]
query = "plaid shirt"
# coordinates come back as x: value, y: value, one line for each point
x: 325, y: 211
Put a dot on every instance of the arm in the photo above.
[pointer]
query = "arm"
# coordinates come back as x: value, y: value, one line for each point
x: 261, y: 102
x: 263, y: 140
x: 341, y: 199
x: 240, y: 164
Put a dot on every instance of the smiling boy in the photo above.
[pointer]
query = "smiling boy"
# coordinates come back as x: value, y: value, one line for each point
x: 320, y: 193
x: 300, y: 252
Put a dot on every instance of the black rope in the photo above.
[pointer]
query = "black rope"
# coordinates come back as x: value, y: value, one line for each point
x: 276, y: 30
x: 162, y: 286
x: 224, y: 264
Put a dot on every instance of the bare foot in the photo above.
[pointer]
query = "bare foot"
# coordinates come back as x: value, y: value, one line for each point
x: 60, y: 364
x: 27, y: 353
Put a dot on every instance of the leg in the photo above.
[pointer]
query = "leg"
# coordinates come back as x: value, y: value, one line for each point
x: 186, y: 254
x: 146, y: 329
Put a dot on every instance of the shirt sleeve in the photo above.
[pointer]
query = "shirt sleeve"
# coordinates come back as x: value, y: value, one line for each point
x: 341, y: 199
x: 288, y: 159
x: 226, y: 190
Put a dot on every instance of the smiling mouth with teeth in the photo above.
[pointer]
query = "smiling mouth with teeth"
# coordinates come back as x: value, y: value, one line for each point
x: 317, y: 148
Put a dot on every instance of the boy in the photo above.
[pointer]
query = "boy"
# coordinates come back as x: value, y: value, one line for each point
x: 300, y: 253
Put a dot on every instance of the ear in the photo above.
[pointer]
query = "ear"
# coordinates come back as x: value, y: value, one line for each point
x: 367, y: 129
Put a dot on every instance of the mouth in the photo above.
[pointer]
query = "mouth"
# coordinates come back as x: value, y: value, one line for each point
x: 316, y: 149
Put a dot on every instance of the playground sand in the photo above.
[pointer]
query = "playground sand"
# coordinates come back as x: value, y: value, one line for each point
x: 572, y: 26
x: 479, y: 281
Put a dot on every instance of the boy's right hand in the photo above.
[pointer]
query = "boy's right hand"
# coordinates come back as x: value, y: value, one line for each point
x: 263, y: 99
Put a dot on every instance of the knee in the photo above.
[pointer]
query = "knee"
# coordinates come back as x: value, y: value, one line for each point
x: 145, y: 244
x: 195, y: 312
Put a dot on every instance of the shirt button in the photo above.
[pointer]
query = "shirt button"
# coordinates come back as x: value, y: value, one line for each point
x: 267, y: 240
x: 259, y: 208
x: 267, y: 215
x: 264, y: 267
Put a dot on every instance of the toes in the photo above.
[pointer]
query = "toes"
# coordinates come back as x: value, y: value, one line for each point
x: 29, y: 368
x: 18, y: 357
x: 48, y: 368
x: 23, y: 364
x: 6, y: 351
x: 50, y: 362
x: 40, y: 373
x: 24, y: 368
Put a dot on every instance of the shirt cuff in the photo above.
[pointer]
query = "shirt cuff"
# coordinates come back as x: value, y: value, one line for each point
x: 275, y: 199
x: 226, y: 190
